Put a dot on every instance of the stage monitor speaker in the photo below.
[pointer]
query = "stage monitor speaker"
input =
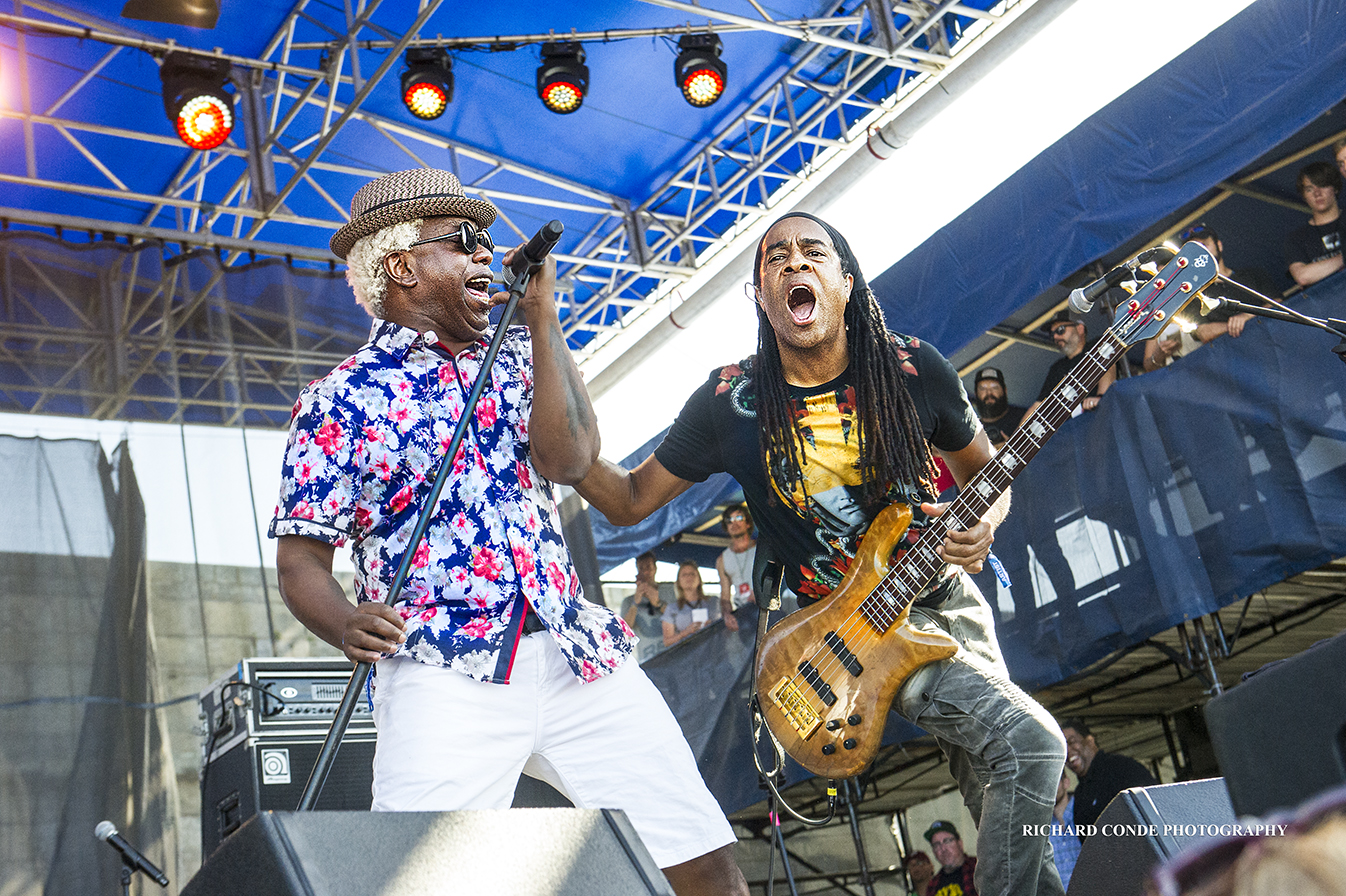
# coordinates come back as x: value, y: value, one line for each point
x: 544, y: 852
x: 1143, y: 827
x: 1280, y: 735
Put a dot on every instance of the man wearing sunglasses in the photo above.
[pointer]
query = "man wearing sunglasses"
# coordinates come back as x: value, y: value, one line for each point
x: 1071, y: 338
x: 491, y: 663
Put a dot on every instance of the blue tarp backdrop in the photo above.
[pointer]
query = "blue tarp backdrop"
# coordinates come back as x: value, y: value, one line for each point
x: 1236, y: 94
x: 1187, y: 489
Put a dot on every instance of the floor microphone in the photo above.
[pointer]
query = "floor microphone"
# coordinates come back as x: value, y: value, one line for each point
x: 130, y: 855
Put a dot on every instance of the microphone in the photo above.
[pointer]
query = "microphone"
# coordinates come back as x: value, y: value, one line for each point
x: 1082, y: 298
x: 536, y: 250
x: 130, y: 855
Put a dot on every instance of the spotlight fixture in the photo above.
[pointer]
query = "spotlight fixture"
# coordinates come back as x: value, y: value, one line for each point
x: 562, y: 78
x: 427, y: 83
x: 698, y: 70
x: 195, y: 99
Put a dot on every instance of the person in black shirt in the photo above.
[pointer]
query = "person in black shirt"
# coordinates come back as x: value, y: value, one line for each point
x: 1101, y: 775
x: 998, y: 416
x: 1314, y: 251
x: 1071, y: 338
x: 831, y: 421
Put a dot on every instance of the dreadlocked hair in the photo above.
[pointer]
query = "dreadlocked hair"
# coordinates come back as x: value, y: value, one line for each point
x: 891, y: 448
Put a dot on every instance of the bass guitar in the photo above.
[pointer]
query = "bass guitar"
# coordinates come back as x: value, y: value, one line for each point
x: 827, y: 674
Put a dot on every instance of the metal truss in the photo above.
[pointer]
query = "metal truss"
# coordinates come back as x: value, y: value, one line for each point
x: 855, y: 67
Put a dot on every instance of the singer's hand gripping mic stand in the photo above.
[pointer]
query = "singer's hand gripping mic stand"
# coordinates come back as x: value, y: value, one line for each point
x: 517, y: 276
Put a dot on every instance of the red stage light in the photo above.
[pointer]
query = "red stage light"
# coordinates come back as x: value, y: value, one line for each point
x: 698, y: 70
x: 205, y: 122
x: 562, y: 78
x: 427, y: 83
x: 195, y: 99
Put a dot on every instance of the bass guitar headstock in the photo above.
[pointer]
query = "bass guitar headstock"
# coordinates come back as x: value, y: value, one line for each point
x: 1155, y: 303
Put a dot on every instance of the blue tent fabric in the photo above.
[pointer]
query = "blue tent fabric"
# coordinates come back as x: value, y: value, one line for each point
x: 616, y: 544
x: 1188, y: 489
x: 1232, y: 97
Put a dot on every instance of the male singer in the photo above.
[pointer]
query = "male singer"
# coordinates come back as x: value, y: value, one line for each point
x: 491, y: 664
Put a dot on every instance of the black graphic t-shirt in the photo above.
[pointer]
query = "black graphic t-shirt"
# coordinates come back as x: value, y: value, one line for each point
x: 1313, y: 242
x: 814, y: 523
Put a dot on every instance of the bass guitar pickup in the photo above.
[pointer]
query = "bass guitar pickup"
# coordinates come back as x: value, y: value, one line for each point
x: 848, y: 659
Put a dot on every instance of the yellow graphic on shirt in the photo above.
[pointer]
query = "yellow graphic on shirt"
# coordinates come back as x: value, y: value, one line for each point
x: 831, y: 476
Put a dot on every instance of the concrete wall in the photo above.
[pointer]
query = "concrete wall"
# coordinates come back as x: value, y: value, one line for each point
x: 205, y: 620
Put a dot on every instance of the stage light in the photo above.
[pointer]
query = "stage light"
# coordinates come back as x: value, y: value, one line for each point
x: 427, y: 83
x: 698, y: 71
x: 195, y: 99
x: 562, y: 78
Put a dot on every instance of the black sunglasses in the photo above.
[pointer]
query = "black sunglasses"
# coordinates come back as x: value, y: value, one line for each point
x: 1195, y: 232
x: 1058, y: 329
x: 467, y: 234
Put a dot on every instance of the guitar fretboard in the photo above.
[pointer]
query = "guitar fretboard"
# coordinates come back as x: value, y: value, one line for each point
x: 921, y: 563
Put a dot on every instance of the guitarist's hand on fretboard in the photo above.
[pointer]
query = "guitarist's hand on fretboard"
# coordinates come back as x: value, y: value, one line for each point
x: 965, y: 548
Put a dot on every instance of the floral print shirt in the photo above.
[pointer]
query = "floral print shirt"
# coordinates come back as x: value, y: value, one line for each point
x: 365, y: 445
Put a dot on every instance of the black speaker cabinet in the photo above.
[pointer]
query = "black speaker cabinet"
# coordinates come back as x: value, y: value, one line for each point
x: 1143, y: 827
x: 546, y: 852
x: 260, y: 774
x: 1280, y: 736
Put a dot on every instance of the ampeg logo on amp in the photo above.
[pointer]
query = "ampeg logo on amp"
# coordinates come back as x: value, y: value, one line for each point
x: 277, y: 697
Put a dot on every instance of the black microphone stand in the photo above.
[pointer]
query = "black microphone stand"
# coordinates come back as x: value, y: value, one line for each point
x: 318, y: 777
x: 1279, y: 311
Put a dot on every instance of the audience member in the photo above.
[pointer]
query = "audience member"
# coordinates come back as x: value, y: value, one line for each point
x: 1101, y: 775
x: 1065, y: 843
x: 1072, y: 339
x: 1221, y: 322
x: 998, y: 417
x: 644, y: 610
x: 735, y: 563
x: 1314, y: 251
x: 919, y: 871
x: 956, y: 867
x: 692, y: 612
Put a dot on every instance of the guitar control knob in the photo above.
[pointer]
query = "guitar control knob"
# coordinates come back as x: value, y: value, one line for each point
x: 833, y: 724
x: 853, y: 720
x: 849, y: 743
x: 829, y: 749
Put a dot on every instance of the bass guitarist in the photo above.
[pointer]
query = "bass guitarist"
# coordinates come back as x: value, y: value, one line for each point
x: 832, y: 420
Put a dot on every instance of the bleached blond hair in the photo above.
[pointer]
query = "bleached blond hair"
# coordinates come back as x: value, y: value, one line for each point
x: 364, y: 262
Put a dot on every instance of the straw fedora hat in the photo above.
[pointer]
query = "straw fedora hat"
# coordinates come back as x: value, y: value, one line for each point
x: 406, y: 196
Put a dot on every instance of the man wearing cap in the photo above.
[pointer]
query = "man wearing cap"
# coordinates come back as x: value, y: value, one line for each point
x: 832, y: 420
x: 999, y: 418
x: 1071, y: 338
x: 491, y: 663
x: 956, y: 868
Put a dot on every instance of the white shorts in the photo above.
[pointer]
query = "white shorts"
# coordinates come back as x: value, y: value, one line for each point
x: 448, y: 742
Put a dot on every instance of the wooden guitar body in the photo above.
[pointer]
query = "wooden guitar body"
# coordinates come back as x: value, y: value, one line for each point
x: 838, y: 739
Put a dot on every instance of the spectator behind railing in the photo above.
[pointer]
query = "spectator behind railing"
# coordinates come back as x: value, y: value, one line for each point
x: 1072, y: 339
x: 990, y: 397
x: 644, y: 610
x: 735, y: 563
x: 693, y: 611
x: 1176, y: 341
x: 1314, y: 251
